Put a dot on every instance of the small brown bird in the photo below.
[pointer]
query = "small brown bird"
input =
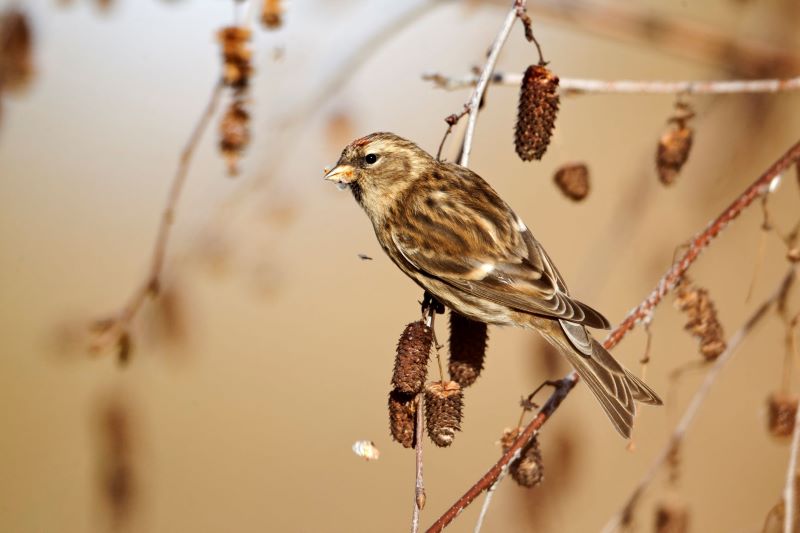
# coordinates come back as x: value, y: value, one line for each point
x: 449, y: 231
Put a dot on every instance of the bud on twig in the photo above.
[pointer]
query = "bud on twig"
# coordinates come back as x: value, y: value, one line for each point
x: 402, y: 408
x: 467, y: 349
x: 536, y: 114
x: 573, y: 180
x: 411, y: 361
x: 443, y: 404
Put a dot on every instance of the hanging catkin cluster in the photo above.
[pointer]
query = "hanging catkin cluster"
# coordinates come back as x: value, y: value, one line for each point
x: 408, y: 380
x: 234, y: 127
x: 536, y: 114
x: 573, y: 180
x: 702, y: 320
x: 675, y: 144
x: 467, y: 349
x: 781, y: 413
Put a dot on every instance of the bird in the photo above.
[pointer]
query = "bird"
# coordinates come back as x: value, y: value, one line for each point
x: 448, y: 230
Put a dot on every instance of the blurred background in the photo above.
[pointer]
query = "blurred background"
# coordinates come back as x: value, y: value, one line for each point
x: 270, y: 347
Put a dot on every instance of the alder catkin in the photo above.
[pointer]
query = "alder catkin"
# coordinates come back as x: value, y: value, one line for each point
x: 573, y: 180
x: 528, y: 470
x: 443, y: 406
x: 675, y: 144
x: 781, y: 413
x: 272, y: 14
x: 536, y: 113
x: 234, y: 133
x: 16, y: 50
x: 402, y: 408
x: 467, y: 349
x: 411, y: 360
x: 702, y: 321
x: 672, y: 516
x: 236, y: 55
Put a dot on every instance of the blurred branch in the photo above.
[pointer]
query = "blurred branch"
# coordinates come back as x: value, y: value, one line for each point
x: 683, y: 37
x: 789, y: 501
x: 115, y: 329
x: 580, y: 86
x: 419, y: 484
x: 641, y: 312
x: 622, y: 517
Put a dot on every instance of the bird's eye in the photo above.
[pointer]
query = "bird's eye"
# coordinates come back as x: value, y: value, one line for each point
x: 371, y: 159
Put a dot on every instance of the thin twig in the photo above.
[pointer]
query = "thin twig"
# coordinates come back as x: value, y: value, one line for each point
x: 623, y: 515
x: 789, y: 497
x: 111, y: 329
x: 583, y: 86
x: 419, y: 484
x: 645, y: 309
x: 487, y: 500
x: 483, y: 79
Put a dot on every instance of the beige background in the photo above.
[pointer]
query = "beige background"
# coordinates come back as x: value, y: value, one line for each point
x: 245, y: 421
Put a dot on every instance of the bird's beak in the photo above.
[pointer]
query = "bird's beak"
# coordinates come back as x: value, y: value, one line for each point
x: 341, y: 174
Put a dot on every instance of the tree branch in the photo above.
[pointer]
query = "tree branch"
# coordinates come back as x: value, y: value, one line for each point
x: 623, y: 515
x: 644, y: 310
x: 583, y: 86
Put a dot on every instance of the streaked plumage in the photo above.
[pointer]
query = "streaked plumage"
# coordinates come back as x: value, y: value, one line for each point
x: 449, y: 231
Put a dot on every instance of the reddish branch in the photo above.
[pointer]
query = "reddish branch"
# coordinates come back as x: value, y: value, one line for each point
x: 642, y: 312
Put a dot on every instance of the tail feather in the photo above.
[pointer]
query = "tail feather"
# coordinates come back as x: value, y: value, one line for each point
x: 614, y: 386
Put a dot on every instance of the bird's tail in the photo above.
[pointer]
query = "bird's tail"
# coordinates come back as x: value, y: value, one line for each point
x: 614, y: 386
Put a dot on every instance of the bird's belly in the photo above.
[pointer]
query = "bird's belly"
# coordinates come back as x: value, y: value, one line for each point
x: 468, y: 305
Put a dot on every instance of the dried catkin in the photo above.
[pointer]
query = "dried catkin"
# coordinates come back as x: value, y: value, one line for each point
x: 443, y: 405
x: 402, y: 408
x: 411, y: 361
x: 702, y: 321
x: 536, y: 114
x: 236, y: 55
x: 272, y: 14
x: 16, y: 57
x: 573, y: 180
x: 781, y: 413
x: 234, y: 133
x: 674, y: 145
x: 672, y: 516
x: 528, y: 470
x: 467, y: 349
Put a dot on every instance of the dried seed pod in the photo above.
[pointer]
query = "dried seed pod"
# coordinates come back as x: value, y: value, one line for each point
x: 272, y: 14
x: 781, y: 413
x: 16, y: 58
x: 443, y: 404
x: 672, y: 516
x: 573, y: 180
x: 467, y: 349
x: 528, y: 470
x: 402, y: 408
x: 236, y: 56
x: 234, y: 133
x: 675, y: 144
x: 702, y: 321
x: 411, y: 361
x: 536, y: 114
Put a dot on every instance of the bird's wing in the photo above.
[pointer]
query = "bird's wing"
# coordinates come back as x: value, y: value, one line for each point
x: 473, y: 241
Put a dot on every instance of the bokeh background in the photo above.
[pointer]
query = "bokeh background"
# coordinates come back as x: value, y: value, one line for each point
x: 270, y: 350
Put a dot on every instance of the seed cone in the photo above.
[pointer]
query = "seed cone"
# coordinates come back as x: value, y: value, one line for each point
x: 702, y: 321
x: 411, y: 361
x: 443, y: 404
x: 573, y: 180
x: 528, y: 470
x: 402, y: 408
x: 467, y: 349
x: 781, y: 413
x: 536, y: 113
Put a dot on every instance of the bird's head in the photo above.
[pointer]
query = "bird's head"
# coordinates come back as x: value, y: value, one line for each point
x: 376, y: 168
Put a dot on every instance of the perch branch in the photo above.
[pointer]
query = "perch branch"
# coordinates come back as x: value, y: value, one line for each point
x: 419, y: 484
x: 645, y: 309
x: 583, y: 86
x: 623, y: 515
x: 118, y: 324
x: 517, y: 7
x: 789, y: 496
